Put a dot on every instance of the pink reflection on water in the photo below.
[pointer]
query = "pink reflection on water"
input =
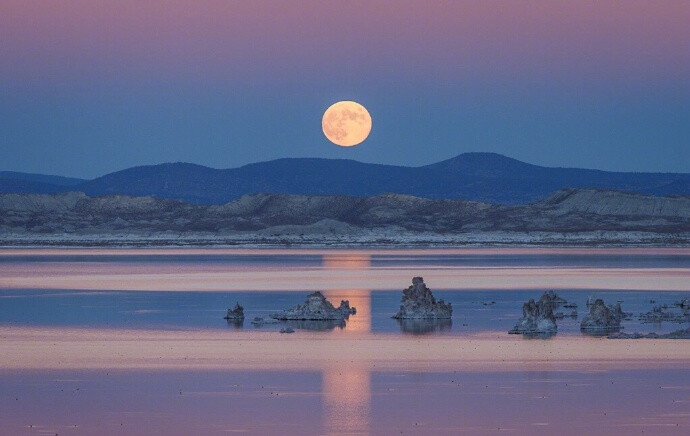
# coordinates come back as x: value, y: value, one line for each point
x: 200, y: 277
x: 339, y: 269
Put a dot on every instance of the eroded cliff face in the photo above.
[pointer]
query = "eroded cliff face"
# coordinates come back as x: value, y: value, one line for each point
x: 616, y: 203
x: 275, y: 215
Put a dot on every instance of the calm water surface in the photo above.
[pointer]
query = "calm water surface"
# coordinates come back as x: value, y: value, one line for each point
x: 189, y: 290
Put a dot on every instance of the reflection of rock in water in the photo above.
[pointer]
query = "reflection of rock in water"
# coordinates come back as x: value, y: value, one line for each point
x: 346, y: 399
x: 319, y: 325
x: 424, y: 326
x: 236, y: 323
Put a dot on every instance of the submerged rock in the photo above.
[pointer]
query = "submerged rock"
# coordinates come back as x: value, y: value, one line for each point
x: 419, y: 303
x: 678, y: 334
x: 259, y: 321
x: 235, y: 314
x: 562, y: 315
x: 537, y: 318
x: 316, y: 308
x: 602, y: 319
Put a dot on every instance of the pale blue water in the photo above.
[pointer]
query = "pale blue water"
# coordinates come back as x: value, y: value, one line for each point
x: 205, y: 310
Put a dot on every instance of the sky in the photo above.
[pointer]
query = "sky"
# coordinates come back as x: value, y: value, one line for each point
x: 89, y: 87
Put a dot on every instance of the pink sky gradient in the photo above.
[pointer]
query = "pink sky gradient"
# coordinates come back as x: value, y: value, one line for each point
x: 631, y: 40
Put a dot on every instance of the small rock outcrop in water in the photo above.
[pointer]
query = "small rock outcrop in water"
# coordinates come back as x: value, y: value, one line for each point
x: 537, y: 318
x: 287, y: 330
x: 602, y: 319
x: 678, y: 334
x: 678, y: 312
x: 316, y: 308
x: 419, y: 303
x: 235, y: 314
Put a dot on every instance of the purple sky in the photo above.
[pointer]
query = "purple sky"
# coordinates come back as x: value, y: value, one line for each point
x: 90, y: 87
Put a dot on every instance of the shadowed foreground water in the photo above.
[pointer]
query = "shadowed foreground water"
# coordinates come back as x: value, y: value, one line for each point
x: 345, y: 400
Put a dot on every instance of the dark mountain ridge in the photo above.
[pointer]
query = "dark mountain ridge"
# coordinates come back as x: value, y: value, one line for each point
x: 486, y: 177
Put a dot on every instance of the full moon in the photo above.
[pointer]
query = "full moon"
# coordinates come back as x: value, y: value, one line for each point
x: 346, y: 123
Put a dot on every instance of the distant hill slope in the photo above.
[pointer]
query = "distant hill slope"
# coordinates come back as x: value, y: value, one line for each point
x: 13, y: 181
x: 486, y: 177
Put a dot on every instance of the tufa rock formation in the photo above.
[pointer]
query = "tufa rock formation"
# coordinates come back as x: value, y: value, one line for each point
x: 537, y: 318
x: 316, y: 308
x: 602, y: 319
x: 419, y: 303
x: 235, y: 314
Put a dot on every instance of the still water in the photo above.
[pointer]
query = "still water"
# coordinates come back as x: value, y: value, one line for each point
x: 134, y: 341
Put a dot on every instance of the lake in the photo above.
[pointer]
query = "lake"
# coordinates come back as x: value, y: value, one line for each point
x: 114, y: 341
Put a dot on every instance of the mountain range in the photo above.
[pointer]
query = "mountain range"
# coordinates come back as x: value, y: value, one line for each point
x: 484, y: 177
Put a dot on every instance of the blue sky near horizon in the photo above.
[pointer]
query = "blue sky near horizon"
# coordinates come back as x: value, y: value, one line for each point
x: 88, y: 88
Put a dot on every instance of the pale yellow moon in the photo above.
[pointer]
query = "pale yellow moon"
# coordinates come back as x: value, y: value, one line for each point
x: 346, y: 123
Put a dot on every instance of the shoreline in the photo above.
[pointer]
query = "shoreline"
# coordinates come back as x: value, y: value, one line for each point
x: 363, y: 245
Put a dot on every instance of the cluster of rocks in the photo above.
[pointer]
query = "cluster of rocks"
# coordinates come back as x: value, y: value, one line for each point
x: 420, y: 312
x: 679, y: 312
x: 539, y: 320
x: 316, y: 313
x: 419, y: 303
